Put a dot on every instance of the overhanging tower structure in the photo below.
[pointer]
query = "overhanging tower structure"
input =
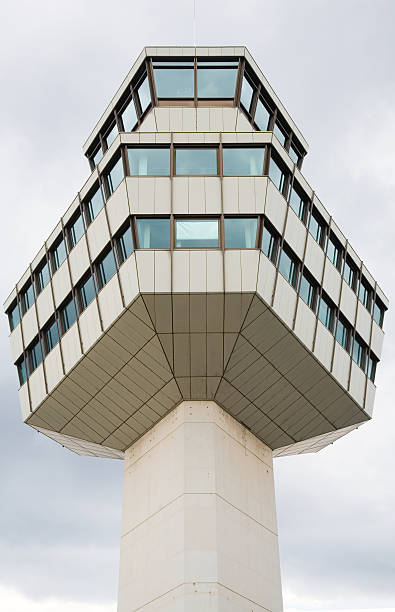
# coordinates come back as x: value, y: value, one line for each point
x: 196, y: 311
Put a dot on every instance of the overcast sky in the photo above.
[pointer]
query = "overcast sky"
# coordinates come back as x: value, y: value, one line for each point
x: 332, y: 64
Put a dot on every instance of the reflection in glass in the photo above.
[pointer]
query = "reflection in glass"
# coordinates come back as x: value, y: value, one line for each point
x: 51, y: 336
x: 22, y: 371
x: 287, y: 267
x: 364, y: 294
x: 349, y: 274
x: 198, y: 233
x: 87, y: 292
x: 268, y: 243
x: 153, y: 233
x: 358, y: 352
x: 174, y: 82
x: 43, y: 276
x: 129, y: 117
x: 262, y: 116
x: 333, y: 252
x: 246, y: 161
x: 68, y: 315
x: 115, y: 176
x: 76, y: 230
x: 325, y: 313
x: 372, y: 364
x: 280, y: 134
x: 111, y: 136
x: 294, y: 155
x: 240, y: 233
x: 95, y: 204
x: 307, y: 291
x: 125, y: 243
x: 297, y: 204
x: 315, y: 228
x: 97, y: 156
x: 196, y: 161
x: 342, y: 334
x: 378, y: 314
x: 14, y: 316
x: 246, y: 95
x: 59, y: 254
x: 143, y: 162
x: 144, y: 95
x: 216, y: 82
x: 106, y: 268
x: 276, y: 174
x: 35, y: 355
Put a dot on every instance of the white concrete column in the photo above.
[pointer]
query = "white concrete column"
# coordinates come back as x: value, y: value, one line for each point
x: 199, y: 531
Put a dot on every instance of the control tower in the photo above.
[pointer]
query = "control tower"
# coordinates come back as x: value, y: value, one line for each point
x: 196, y: 312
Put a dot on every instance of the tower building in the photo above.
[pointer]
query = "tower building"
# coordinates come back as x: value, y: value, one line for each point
x: 196, y: 312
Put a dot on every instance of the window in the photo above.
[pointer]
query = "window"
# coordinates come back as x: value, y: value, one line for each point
x: 35, y: 356
x: 87, y: 292
x: 334, y: 250
x: 76, y: 228
x: 308, y: 289
x: 269, y: 242
x: 125, y: 244
x: 94, y: 204
x: 247, y: 93
x: 197, y: 233
x: 14, y: 315
x: 111, y: 136
x: 58, y: 253
x: 196, y: 161
x: 326, y: 312
x: 364, y: 293
x: 42, y: 275
x: 144, y: 95
x: 262, y: 117
x: 51, y: 336
x: 350, y: 273
x: 174, y: 79
x: 217, y: 79
x: 114, y: 176
x: 372, y: 365
x: 358, y: 352
x: 316, y: 227
x: 294, y: 155
x: 343, y: 333
x: 240, y: 233
x: 153, y: 233
x: 27, y: 297
x: 277, y: 175
x: 129, y: 116
x: 22, y: 371
x: 245, y: 161
x: 378, y: 312
x: 106, y: 268
x: 298, y: 202
x: 144, y: 162
x: 288, y: 266
x: 279, y: 132
x: 96, y: 157
x: 68, y: 315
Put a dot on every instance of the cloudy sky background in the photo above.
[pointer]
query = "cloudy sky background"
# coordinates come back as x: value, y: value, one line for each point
x: 332, y: 64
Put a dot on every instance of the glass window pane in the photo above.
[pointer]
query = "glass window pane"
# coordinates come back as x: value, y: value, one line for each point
x: 294, y: 155
x: 68, y: 315
x: 240, y: 233
x: 196, y: 161
x: 245, y: 161
x: 349, y: 274
x: 174, y: 82
x: 342, y: 334
x: 144, y: 162
x: 307, y: 291
x: 51, y: 336
x: 125, y: 243
x: 76, y: 230
x: 297, y: 204
x: 14, y: 316
x: 97, y: 156
x: 332, y: 252
x: 22, y: 371
x: 111, y: 136
x: 216, y: 82
x: 59, y: 254
x: 35, y: 356
x: 87, y: 292
x: 106, y: 268
x: 200, y: 233
x: 43, y: 276
x: 153, y: 233
x: 115, y: 176
x: 372, y: 364
x: 262, y: 116
x: 357, y: 352
x: 279, y: 133
x: 95, y: 204
x: 364, y: 294
x: 287, y: 267
x: 144, y: 95
x: 268, y: 243
x: 28, y: 297
x: 325, y: 313
x: 378, y: 314
x: 315, y: 229
x: 276, y: 175
x: 246, y: 95
x: 129, y: 117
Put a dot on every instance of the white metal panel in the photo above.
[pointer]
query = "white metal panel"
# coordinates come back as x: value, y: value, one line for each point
x: 37, y: 386
x: 118, y: 208
x: 71, y: 348
x: 162, y: 263
x: 110, y: 302
x: 24, y: 278
x: 45, y: 306
x: 295, y: 233
x: 348, y: 303
x: 276, y: 207
x: 332, y: 281
x: 232, y: 271
x: 285, y: 301
x: 162, y: 196
x: 53, y: 368
x: 230, y: 194
x: 341, y: 365
x: 61, y: 283
x: 180, y: 264
x: 90, y: 328
x: 266, y: 278
x: 314, y: 258
x: 98, y: 235
x: 305, y: 324
x: 145, y: 261
x: 196, y: 195
x: 79, y: 260
x: 369, y: 398
x: 364, y: 323
x: 198, y: 271
x: 357, y: 384
x: 24, y: 401
x: 377, y: 339
x: 93, y: 178
x: 247, y: 194
x: 16, y: 343
x: 71, y: 210
x: 29, y: 325
x: 129, y: 281
x: 40, y: 255
x: 215, y: 275
x: 249, y: 261
x: 323, y: 347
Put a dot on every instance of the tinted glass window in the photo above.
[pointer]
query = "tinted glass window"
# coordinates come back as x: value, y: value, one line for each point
x: 27, y: 297
x: 364, y: 294
x: 358, y: 352
x: 294, y: 155
x: 349, y: 274
x: 106, y: 268
x: 87, y: 292
x: 307, y: 291
x: 201, y: 233
x: 243, y: 161
x: 287, y: 267
x: 14, y: 316
x: 174, y: 82
x: 325, y: 313
x: 43, y: 276
x: 262, y: 116
x: 277, y: 175
x: 143, y: 162
x: 97, y: 156
x: 196, y: 161
x: 240, y: 233
x: 111, y: 136
x: 333, y: 251
x: 22, y: 371
x: 125, y: 244
x: 378, y: 313
x: 268, y: 243
x: 68, y: 315
x: 372, y: 364
x: 59, y: 254
x: 51, y: 336
x: 95, y: 204
x: 129, y: 117
x: 115, y: 176
x: 315, y: 228
x: 35, y: 356
x: 217, y: 82
x: 246, y: 95
x: 297, y: 203
x: 279, y: 134
x: 144, y: 95
x: 342, y: 333
x: 153, y: 233
x: 77, y: 229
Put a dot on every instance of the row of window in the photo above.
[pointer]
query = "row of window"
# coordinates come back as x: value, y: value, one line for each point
x: 154, y: 232
x: 191, y: 80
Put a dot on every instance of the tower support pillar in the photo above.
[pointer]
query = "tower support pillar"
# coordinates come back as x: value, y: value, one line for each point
x: 199, y: 528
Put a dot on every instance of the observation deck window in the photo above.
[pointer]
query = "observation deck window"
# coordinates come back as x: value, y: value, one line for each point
x: 153, y: 233
x: 197, y: 233
x: 240, y: 233
x: 217, y: 80
x: 129, y: 116
x: 243, y: 161
x: 174, y: 79
x: 149, y: 161
x: 196, y: 161
x: 262, y: 116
